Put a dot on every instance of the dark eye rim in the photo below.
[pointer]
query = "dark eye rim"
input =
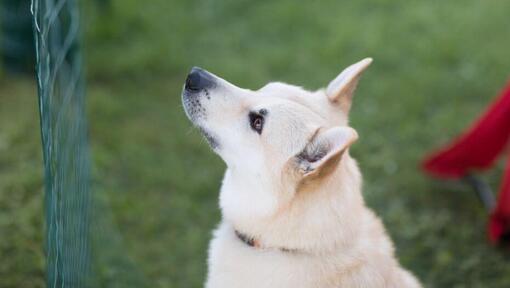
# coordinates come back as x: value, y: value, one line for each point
x: 257, y: 121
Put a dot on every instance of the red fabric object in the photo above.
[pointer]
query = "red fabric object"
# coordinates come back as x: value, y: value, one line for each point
x: 499, y: 224
x: 478, y: 148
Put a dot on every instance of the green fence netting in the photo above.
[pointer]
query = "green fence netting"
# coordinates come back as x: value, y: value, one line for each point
x: 64, y: 138
x: 83, y: 247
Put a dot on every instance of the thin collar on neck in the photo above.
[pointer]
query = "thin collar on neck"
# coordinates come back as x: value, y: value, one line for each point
x: 255, y: 243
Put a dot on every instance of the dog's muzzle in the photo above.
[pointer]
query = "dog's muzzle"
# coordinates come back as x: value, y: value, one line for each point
x: 197, y: 86
x: 197, y: 90
x: 197, y: 83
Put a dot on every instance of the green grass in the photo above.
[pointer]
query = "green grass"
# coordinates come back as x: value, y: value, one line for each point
x: 437, y: 64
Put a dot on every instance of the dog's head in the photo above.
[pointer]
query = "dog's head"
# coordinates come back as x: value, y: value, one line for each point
x: 275, y: 140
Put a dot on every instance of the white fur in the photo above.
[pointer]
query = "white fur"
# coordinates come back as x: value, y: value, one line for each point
x: 312, y: 209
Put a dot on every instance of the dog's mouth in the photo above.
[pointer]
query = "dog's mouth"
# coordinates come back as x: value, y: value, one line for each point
x: 196, y: 113
x: 195, y: 93
x: 212, y: 140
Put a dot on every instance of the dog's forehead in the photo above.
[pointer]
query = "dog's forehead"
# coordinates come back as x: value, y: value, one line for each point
x: 316, y: 101
x: 288, y: 92
x: 283, y: 90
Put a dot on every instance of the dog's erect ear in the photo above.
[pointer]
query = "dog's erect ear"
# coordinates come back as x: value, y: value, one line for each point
x: 324, y: 150
x: 341, y: 89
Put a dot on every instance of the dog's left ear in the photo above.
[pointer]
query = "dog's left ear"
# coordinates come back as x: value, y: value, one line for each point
x: 341, y: 89
x: 324, y: 150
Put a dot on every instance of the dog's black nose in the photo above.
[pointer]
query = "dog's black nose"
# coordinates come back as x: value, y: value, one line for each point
x: 198, y: 79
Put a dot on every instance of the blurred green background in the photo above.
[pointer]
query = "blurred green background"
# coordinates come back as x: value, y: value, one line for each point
x: 437, y: 64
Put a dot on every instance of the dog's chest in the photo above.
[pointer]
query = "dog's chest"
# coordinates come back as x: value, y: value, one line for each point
x: 232, y: 263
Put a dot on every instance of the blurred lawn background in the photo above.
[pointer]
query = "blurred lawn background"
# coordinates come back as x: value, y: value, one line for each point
x: 437, y: 65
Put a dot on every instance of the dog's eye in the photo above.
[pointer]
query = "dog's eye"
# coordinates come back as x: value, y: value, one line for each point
x: 256, y: 122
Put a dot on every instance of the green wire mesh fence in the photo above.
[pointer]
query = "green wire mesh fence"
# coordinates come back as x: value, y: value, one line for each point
x: 64, y: 138
x: 83, y: 246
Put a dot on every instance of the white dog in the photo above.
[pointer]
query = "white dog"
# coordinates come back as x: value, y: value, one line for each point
x: 293, y: 212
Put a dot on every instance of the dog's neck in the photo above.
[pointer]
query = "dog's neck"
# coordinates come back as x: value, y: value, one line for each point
x: 256, y: 243
x: 319, y: 219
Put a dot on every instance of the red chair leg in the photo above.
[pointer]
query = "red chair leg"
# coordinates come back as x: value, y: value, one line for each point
x: 499, y: 224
